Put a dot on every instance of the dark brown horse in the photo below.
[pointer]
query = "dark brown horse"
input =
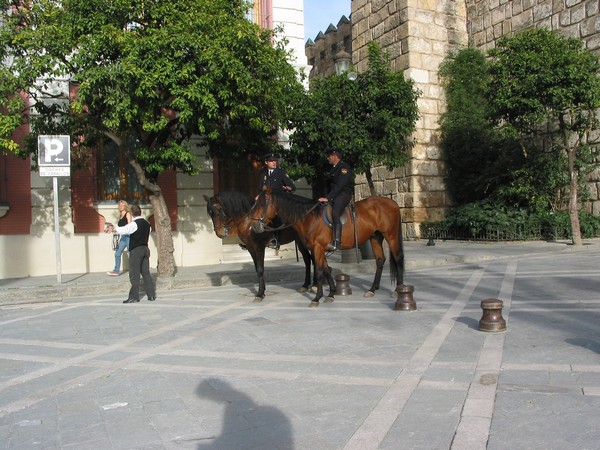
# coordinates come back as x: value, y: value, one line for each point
x: 229, y: 213
x: 377, y: 218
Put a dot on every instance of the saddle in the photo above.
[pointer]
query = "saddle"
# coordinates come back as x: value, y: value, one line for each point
x: 346, y: 217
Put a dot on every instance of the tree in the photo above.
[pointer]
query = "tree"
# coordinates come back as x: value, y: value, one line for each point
x: 547, y: 86
x: 148, y: 76
x: 371, y: 119
x: 483, y: 161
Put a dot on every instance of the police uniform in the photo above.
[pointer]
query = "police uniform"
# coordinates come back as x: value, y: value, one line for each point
x: 341, y: 189
x: 277, y: 180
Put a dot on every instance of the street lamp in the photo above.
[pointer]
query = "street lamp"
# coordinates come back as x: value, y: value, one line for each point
x: 342, y: 62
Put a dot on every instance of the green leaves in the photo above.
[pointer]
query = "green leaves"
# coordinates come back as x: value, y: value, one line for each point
x: 371, y: 119
x: 153, y: 71
x: 539, y: 75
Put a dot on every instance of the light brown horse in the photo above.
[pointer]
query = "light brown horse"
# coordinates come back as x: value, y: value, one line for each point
x: 377, y: 218
x: 229, y: 213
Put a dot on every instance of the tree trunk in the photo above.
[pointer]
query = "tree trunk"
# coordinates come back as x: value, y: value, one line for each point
x: 164, y: 236
x: 162, y: 221
x: 370, y: 183
x: 573, y: 200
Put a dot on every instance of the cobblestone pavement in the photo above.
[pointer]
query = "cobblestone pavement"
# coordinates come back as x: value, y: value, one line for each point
x: 205, y: 368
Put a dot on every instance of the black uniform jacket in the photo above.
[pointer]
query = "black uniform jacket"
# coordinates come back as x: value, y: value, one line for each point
x: 341, y: 180
x: 276, y: 181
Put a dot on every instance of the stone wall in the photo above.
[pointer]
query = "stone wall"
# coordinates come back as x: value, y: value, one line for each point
x: 488, y: 20
x: 418, y: 35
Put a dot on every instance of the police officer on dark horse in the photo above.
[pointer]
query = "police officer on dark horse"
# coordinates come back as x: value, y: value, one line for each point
x: 341, y: 189
x: 277, y: 179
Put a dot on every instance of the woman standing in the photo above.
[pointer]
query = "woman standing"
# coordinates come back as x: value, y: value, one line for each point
x: 124, y: 219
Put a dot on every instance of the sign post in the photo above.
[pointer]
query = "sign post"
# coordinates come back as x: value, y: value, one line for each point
x: 54, y: 160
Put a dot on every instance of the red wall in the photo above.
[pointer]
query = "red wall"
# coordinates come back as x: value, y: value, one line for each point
x: 17, y: 176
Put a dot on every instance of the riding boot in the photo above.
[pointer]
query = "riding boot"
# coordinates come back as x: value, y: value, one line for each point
x: 337, y: 238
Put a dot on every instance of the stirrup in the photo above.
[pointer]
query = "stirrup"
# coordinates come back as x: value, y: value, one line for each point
x: 274, y: 244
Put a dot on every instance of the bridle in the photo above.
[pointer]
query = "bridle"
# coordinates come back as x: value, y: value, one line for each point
x: 225, y: 221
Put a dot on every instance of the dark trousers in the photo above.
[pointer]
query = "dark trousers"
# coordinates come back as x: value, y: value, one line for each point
x: 139, y: 263
x: 339, y: 204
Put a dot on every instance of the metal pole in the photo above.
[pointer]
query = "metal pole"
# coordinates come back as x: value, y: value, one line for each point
x: 56, y: 229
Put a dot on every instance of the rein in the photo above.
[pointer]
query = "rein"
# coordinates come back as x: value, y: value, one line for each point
x: 264, y: 227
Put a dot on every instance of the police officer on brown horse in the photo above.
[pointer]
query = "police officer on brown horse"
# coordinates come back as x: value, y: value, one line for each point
x: 341, y: 189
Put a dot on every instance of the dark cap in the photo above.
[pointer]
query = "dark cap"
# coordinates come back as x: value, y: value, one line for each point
x: 333, y: 151
x: 271, y: 157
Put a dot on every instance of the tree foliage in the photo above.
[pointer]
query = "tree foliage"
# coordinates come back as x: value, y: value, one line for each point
x: 547, y: 88
x: 371, y: 119
x: 149, y: 74
x: 485, y: 161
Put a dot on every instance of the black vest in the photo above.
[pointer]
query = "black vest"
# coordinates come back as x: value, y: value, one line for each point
x: 141, y: 235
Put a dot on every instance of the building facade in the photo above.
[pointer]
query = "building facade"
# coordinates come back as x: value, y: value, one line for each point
x: 88, y: 198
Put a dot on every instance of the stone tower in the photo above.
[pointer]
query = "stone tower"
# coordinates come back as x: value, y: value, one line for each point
x: 417, y: 34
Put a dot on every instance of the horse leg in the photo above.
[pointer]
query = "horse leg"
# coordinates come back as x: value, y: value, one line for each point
x: 307, y: 258
x: 320, y: 268
x: 396, y: 244
x: 377, y: 246
x: 258, y: 256
x: 332, y: 287
x: 314, y: 280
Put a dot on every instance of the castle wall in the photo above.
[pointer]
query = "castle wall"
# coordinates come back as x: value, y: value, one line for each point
x: 418, y: 34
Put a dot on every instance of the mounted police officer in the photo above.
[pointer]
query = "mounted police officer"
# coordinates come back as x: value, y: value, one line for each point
x: 275, y: 178
x: 341, y: 190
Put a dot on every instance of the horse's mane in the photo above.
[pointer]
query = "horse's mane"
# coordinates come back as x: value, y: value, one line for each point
x: 291, y: 207
x: 235, y: 204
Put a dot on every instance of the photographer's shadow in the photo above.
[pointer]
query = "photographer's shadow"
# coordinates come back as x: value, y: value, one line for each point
x: 246, y: 424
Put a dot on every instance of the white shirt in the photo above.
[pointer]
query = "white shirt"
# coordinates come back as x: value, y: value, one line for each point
x: 128, y: 229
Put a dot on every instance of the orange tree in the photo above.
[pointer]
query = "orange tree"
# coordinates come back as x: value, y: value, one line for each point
x: 149, y: 74
x: 371, y: 118
x: 547, y: 87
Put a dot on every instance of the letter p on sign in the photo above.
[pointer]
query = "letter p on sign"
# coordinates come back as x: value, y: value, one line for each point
x: 53, y: 148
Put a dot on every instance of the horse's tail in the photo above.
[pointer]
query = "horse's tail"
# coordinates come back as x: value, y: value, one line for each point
x: 397, y: 260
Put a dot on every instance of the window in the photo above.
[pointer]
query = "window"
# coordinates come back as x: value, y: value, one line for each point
x: 116, y: 178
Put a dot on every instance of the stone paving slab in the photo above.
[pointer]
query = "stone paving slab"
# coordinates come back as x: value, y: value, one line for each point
x: 206, y: 368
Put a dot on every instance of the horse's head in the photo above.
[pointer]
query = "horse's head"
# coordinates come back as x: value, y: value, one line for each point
x: 263, y: 210
x: 216, y: 212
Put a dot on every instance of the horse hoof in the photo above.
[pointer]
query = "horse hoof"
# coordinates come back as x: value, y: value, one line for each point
x: 302, y: 290
x: 313, y: 304
x: 329, y: 299
x: 314, y: 289
x: 369, y: 294
x: 257, y: 299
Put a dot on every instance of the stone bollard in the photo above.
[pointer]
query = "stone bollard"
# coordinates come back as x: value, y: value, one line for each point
x: 405, y: 300
x: 492, y: 319
x: 342, y: 284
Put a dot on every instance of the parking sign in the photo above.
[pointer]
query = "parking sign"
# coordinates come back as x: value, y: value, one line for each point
x: 54, y: 155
